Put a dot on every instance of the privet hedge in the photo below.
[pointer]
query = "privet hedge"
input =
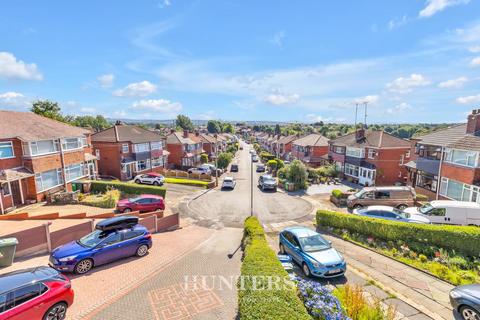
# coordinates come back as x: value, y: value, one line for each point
x: 261, y: 261
x: 128, y: 188
x: 462, y: 239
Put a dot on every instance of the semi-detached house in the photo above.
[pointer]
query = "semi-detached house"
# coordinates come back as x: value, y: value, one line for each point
x: 125, y: 151
x: 40, y: 156
x: 185, y: 149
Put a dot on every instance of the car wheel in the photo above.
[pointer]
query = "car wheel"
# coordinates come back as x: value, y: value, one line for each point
x: 306, y: 270
x: 402, y: 207
x: 155, y: 183
x: 357, y: 206
x: 282, y: 249
x: 141, y: 250
x: 127, y: 210
x: 468, y: 313
x: 138, y: 181
x: 83, y: 266
x: 56, y: 312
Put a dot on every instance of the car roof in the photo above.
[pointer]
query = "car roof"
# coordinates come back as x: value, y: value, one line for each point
x: 228, y: 178
x: 301, y: 231
x: 150, y: 196
x: 386, y: 208
x: 154, y: 174
x: 268, y: 176
x: 455, y: 204
x: 392, y: 188
x: 19, y: 278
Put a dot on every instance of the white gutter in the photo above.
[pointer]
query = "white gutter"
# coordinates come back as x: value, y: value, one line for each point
x: 439, y: 177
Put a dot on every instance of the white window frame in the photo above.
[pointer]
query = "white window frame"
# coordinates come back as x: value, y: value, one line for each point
x: 355, y: 152
x: 11, y: 146
x: 141, y: 147
x: 449, y: 155
x: 80, y: 143
x: 72, y: 166
x: 473, y: 190
x: 407, y: 154
x: 9, y: 193
x: 350, y: 167
x: 372, y: 153
x: 59, y: 179
x: 157, y: 162
x: 125, y: 148
x: 156, y: 145
x: 34, y: 144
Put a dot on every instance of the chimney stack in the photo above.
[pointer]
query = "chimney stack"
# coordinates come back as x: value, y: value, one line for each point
x: 172, y: 130
x: 197, y: 133
x: 360, y: 134
x: 473, y: 122
x: 185, y: 133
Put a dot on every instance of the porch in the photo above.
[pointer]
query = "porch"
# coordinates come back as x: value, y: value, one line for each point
x: 14, y: 187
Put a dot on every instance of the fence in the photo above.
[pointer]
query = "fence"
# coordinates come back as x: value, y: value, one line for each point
x: 41, y: 240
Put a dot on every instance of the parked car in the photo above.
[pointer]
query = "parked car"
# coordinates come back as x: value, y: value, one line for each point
x: 229, y: 183
x: 312, y: 252
x: 200, y: 170
x: 113, y: 239
x: 234, y: 168
x: 466, y: 301
x: 212, y: 168
x: 241, y: 147
x: 390, y: 213
x: 449, y: 212
x: 35, y: 293
x: 142, y: 203
x: 398, y: 197
x: 252, y: 151
x: 255, y: 158
x: 260, y: 168
x: 267, y: 182
x: 153, y: 178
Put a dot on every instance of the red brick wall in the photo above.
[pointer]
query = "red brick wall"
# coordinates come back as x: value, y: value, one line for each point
x: 43, y: 163
x: 430, y: 194
x: 74, y: 157
x: 17, y: 151
x: 110, y: 158
x: 207, y: 147
x: 176, y: 154
x: 458, y: 173
x: 320, y: 151
x: 388, y: 166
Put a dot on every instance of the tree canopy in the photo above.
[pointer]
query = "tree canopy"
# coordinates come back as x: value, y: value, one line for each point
x: 184, y: 122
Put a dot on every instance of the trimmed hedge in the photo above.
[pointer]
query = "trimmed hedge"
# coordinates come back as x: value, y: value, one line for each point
x: 188, y: 182
x: 260, y: 261
x: 336, y: 193
x: 462, y: 239
x: 126, y: 187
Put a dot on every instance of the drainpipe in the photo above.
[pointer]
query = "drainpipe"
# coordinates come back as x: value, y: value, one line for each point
x: 62, y: 158
x: 439, y: 177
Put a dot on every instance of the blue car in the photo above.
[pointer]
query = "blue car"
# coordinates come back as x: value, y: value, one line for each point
x: 102, y: 246
x: 312, y: 252
x: 466, y: 301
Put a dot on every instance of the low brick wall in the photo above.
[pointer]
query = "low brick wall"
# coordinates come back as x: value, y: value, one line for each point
x: 30, y: 241
x: 66, y: 235
x: 168, y: 223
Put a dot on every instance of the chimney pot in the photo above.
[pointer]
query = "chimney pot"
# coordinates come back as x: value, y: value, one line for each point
x: 172, y: 130
x: 473, y: 122
x: 185, y: 133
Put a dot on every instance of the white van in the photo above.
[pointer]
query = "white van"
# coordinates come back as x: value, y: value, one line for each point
x: 449, y: 212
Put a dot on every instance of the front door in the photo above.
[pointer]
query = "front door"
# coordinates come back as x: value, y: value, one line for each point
x: 129, y: 170
x: 16, y: 193
x: 91, y: 170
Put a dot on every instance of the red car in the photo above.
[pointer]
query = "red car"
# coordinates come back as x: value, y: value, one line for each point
x: 143, y: 203
x: 40, y: 293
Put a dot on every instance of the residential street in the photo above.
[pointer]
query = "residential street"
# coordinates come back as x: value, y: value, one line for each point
x: 231, y: 207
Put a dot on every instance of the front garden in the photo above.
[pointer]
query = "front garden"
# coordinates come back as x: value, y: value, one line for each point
x: 450, y: 253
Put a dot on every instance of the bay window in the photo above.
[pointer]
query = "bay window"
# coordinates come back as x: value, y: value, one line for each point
x: 427, y: 181
x: 74, y: 171
x: 48, y: 179
x: 459, y: 191
x: 461, y: 157
x: 351, y: 170
x: 6, y: 150
x: 143, y: 165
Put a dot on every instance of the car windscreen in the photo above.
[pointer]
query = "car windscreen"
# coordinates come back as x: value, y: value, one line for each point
x: 93, y: 239
x: 401, y: 213
x: 133, y: 199
x: 314, y: 243
x: 425, y: 208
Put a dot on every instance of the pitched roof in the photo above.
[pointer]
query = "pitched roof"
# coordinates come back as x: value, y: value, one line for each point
x: 207, y: 138
x: 312, y: 140
x: 124, y: 133
x: 444, y: 137
x: 468, y: 142
x: 178, y: 138
x: 28, y: 126
x: 376, y: 139
x: 287, y: 139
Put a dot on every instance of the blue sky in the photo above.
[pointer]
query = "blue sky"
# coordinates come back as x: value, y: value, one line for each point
x: 413, y: 61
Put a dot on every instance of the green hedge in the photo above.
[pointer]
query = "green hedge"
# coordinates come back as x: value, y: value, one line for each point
x: 128, y: 188
x: 106, y: 201
x: 462, y: 239
x: 261, y: 261
x: 188, y: 182
x: 336, y: 193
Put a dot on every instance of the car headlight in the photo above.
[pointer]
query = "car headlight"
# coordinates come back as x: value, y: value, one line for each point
x: 317, y: 264
x: 454, y: 294
x: 67, y: 259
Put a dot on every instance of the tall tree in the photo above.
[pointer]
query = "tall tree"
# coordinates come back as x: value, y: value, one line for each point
x: 47, y: 108
x: 213, y: 126
x: 228, y: 128
x: 97, y: 123
x: 184, y: 122
x: 278, y: 131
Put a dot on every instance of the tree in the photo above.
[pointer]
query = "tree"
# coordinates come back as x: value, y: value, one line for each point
x: 97, y: 123
x: 158, y: 126
x: 203, y: 158
x: 297, y: 174
x: 272, y: 164
x: 47, y: 108
x: 278, y: 131
x: 228, y: 128
x: 184, y: 122
x: 213, y: 126
x: 224, y: 160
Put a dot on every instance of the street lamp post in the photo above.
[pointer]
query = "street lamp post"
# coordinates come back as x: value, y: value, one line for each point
x: 251, y: 186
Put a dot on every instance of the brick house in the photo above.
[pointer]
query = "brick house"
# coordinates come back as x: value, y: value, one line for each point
x: 310, y: 149
x: 40, y: 156
x: 284, y: 146
x: 185, y: 149
x: 125, y: 151
x: 447, y: 164
x: 371, y: 157
x: 213, y: 144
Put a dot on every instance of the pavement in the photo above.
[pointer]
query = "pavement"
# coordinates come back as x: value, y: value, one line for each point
x: 220, y: 208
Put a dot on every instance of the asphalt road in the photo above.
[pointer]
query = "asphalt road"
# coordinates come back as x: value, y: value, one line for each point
x: 231, y: 207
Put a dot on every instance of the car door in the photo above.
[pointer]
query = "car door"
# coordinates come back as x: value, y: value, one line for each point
x: 382, y: 197
x: 25, y: 302
x: 131, y: 241
x: 297, y: 250
x: 143, y: 204
x: 436, y: 215
x: 109, y: 249
x: 389, y: 215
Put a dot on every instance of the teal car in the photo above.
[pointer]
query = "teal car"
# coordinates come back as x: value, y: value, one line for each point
x: 312, y: 252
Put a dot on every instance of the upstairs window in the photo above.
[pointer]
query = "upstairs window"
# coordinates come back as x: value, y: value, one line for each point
x: 141, y: 147
x: 44, y: 147
x: 156, y: 145
x: 6, y: 150
x: 372, y: 153
x: 355, y: 152
x: 461, y: 157
x: 72, y: 143
x: 125, y: 148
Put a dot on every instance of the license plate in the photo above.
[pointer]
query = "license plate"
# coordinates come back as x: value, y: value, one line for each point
x: 334, y: 271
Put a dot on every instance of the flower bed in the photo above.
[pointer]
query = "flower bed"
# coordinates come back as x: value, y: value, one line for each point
x: 103, y: 200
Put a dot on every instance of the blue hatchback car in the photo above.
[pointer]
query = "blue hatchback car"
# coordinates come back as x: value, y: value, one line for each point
x: 312, y: 252
x: 100, y: 247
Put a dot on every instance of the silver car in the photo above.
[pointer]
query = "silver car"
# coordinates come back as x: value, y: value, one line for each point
x: 390, y: 213
x: 229, y: 183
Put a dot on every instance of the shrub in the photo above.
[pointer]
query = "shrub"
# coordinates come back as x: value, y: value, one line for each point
x: 443, y: 236
x: 204, y: 158
x: 107, y: 200
x: 126, y: 187
x: 282, y: 173
x: 297, y: 174
x: 338, y: 194
x: 421, y: 197
x: 458, y: 261
x: 422, y: 258
x: 265, y: 156
x: 256, y: 300
x: 272, y: 164
x: 188, y: 182
x: 224, y: 160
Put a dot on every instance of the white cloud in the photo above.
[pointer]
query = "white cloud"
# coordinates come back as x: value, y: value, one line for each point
x: 137, y: 89
x: 469, y: 99
x: 164, y: 4
x: 158, y: 105
x: 279, y: 98
x: 121, y: 113
x: 106, y: 80
x: 475, y: 62
x: 399, y: 108
x: 13, y: 99
x: 397, y: 22
x: 277, y: 39
x: 11, y: 68
x: 475, y: 49
x: 404, y: 85
x: 87, y: 110
x: 453, y: 83
x: 371, y: 99
x: 434, y: 6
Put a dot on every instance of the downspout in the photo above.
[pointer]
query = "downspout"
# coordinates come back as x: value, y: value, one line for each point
x: 62, y: 158
x: 439, y: 177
